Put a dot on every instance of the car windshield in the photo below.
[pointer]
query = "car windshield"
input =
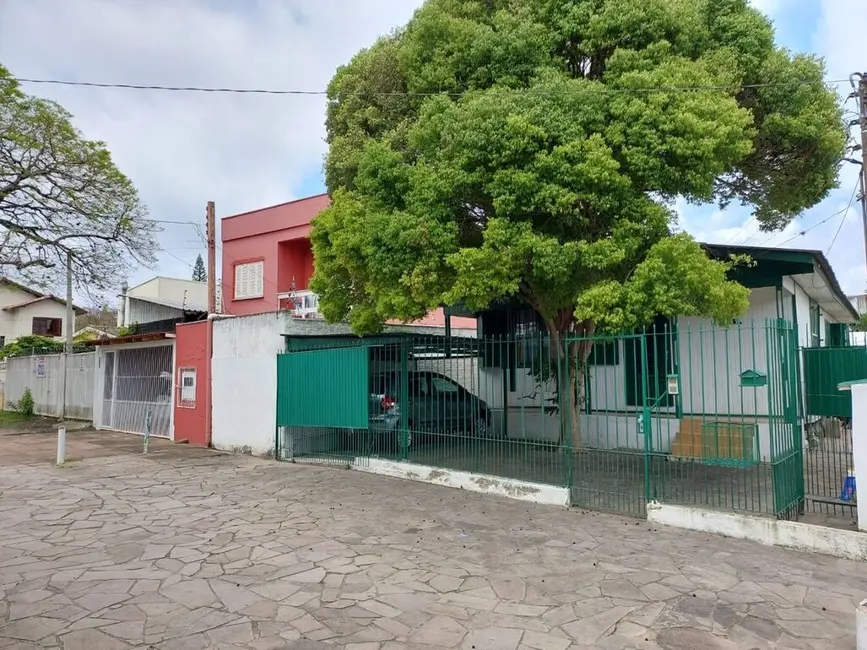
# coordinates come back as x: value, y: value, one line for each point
x: 420, y: 385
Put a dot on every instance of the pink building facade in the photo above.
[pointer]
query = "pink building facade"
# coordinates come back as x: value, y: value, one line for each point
x: 263, y: 251
x: 268, y: 262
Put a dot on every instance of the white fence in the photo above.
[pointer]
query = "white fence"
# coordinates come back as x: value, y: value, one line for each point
x: 43, y: 375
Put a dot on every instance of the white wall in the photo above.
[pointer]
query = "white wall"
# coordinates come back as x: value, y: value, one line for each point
x: 244, y: 374
x: 43, y: 375
x: 802, y: 315
x: 142, y: 311
x: 177, y: 291
x: 19, y: 322
x: 173, y: 295
x: 244, y: 381
x: 711, y: 362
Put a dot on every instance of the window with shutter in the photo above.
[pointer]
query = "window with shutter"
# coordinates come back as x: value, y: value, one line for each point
x: 249, y: 280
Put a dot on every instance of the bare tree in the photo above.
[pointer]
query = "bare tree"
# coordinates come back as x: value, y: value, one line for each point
x: 62, y: 194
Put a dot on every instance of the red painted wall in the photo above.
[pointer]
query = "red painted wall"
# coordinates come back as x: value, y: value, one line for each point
x: 279, y: 235
x: 294, y: 260
x: 193, y: 350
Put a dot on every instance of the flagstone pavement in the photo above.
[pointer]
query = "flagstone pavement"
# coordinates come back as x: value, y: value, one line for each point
x: 188, y: 549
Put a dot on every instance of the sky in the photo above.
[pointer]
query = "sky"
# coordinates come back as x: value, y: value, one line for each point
x: 250, y: 151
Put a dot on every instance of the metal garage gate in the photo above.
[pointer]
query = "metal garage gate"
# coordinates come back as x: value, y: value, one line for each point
x: 137, y: 388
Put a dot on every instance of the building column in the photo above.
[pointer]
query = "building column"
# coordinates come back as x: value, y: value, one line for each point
x: 859, y: 445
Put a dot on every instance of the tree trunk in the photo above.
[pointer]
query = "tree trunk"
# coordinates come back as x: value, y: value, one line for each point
x: 569, y: 360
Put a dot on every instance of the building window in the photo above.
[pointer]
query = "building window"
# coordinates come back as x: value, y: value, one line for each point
x: 815, y: 332
x: 250, y: 280
x: 47, y: 326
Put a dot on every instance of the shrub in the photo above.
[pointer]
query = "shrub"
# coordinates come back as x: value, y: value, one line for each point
x: 25, y: 404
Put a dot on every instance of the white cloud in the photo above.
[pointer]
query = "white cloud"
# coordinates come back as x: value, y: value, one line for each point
x: 838, y: 39
x: 248, y: 151
x: 767, y: 7
x: 183, y: 149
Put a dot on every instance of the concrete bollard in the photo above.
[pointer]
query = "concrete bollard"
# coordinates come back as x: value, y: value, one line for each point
x: 861, y: 626
x: 61, y: 445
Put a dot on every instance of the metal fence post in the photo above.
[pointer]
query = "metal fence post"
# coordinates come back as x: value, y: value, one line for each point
x: 403, y: 400
x: 147, y: 434
x: 644, y: 417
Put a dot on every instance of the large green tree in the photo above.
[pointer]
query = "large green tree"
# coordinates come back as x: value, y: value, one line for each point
x: 62, y: 194
x: 533, y: 149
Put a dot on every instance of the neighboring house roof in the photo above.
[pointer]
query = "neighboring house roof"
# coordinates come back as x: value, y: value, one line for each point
x: 805, y: 267
x: 38, y: 296
x: 291, y: 219
x: 94, y: 330
x: 809, y: 268
x: 316, y: 198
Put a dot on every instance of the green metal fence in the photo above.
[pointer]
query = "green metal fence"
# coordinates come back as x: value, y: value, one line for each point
x: 680, y: 412
x: 828, y: 431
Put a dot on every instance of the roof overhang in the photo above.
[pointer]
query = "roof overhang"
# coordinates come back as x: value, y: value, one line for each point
x: 847, y: 385
x: 809, y: 268
x: 77, y: 310
x: 134, y: 338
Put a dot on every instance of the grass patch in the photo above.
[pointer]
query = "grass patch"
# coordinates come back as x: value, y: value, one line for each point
x: 10, y: 418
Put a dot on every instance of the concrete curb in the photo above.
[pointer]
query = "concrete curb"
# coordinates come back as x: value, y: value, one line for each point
x: 846, y: 544
x: 511, y: 488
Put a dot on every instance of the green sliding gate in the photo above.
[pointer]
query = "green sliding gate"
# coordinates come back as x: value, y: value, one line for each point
x: 321, y: 402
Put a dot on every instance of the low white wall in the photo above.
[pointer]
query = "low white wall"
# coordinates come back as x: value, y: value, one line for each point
x: 244, y: 382
x: 846, y: 544
x: 598, y: 430
x: 497, y: 485
x: 244, y: 374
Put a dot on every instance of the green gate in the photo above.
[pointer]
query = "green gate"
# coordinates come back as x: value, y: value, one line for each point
x: 322, y: 403
x: 827, y: 416
x: 824, y: 370
x: 786, y: 439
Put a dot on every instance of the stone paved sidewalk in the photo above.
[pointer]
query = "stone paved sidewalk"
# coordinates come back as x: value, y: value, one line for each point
x: 185, y: 550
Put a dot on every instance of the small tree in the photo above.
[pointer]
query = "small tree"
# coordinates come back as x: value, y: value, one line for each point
x: 26, y: 405
x: 199, y: 272
x: 534, y: 149
x: 61, y: 194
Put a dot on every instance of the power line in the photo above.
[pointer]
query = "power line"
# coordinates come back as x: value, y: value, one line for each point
x: 842, y: 220
x: 739, y: 232
x: 179, y: 223
x: 813, y: 227
x: 300, y: 92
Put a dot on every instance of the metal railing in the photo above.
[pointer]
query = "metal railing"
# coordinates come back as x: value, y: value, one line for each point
x: 688, y: 413
x: 303, y: 304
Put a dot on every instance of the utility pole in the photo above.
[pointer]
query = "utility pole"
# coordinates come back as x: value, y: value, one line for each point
x: 861, y: 99
x: 211, y: 230
x: 67, y: 351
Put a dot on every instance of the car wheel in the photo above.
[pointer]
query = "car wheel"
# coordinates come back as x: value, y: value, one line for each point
x: 480, y: 427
